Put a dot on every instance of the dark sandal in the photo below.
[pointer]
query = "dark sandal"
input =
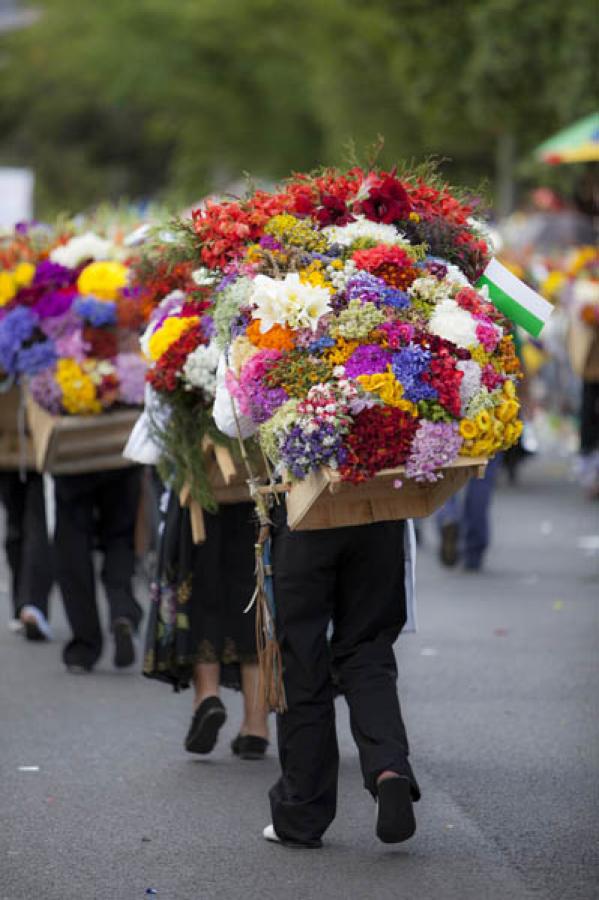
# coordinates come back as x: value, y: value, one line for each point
x: 206, y: 722
x: 249, y: 746
x: 395, y: 816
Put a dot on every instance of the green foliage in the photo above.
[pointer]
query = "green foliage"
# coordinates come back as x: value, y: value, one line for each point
x: 151, y: 99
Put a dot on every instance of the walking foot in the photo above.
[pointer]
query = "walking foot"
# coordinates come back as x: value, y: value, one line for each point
x: 249, y: 746
x: 124, y: 651
x: 269, y: 834
x: 395, y: 815
x: 37, y: 627
x: 206, y: 722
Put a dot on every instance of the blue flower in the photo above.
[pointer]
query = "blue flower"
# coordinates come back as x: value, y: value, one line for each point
x: 36, y: 358
x: 16, y: 328
x: 408, y: 365
x: 97, y: 312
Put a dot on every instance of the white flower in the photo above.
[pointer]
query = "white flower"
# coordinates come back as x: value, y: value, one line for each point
x: 199, y: 371
x: 340, y: 277
x: 453, y: 323
x: 455, y: 274
x: 288, y: 302
x: 346, y: 235
x: 203, y: 277
x: 82, y: 247
x: 430, y: 288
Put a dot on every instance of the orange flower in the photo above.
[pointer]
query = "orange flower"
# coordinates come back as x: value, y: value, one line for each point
x: 276, y: 338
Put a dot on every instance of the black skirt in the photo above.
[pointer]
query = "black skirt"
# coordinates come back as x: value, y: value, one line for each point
x: 199, y: 597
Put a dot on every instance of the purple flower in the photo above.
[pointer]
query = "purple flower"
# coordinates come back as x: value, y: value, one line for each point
x: 208, y: 327
x: 263, y: 402
x: 368, y: 359
x: 435, y: 444
x: 269, y: 242
x: 370, y: 289
x: 97, y: 312
x: 46, y: 391
x: 408, y: 365
x: 54, y: 303
x: 72, y: 345
x: 61, y: 326
x: 51, y: 273
x: 35, y: 358
x: 131, y: 371
x: 304, y: 450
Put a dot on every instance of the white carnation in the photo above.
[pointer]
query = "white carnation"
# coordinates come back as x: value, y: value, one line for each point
x: 82, y: 247
x: 430, y: 288
x: 199, y: 371
x: 362, y: 228
x: 453, y: 323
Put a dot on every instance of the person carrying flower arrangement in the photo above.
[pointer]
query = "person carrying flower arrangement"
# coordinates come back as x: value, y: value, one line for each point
x: 354, y: 342
x: 66, y: 334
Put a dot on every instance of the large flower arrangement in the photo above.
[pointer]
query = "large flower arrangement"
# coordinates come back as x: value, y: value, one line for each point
x: 69, y: 321
x: 355, y: 337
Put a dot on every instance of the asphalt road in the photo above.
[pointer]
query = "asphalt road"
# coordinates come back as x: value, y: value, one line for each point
x: 499, y: 689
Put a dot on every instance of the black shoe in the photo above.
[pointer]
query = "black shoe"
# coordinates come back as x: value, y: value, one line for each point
x: 79, y: 656
x: 124, y: 651
x: 395, y: 820
x: 448, y: 552
x: 206, y: 722
x: 249, y: 746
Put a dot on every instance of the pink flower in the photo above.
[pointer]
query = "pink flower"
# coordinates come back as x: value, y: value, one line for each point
x: 488, y: 336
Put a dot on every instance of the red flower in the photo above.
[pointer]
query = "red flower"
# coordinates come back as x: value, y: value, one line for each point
x: 332, y: 211
x: 380, y: 438
x: 387, y: 201
x: 164, y: 376
x: 103, y: 343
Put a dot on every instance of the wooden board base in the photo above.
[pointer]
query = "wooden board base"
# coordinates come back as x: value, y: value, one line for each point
x: 323, y: 501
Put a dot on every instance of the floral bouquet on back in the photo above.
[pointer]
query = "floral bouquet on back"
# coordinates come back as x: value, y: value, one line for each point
x: 71, y: 327
x: 354, y: 334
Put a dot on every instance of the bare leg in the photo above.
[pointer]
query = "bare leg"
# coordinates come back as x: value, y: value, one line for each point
x: 206, y: 682
x: 255, y: 713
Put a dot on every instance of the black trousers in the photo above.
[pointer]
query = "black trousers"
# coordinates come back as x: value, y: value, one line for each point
x: 26, y: 540
x: 353, y: 577
x: 102, y: 503
x: 589, y: 417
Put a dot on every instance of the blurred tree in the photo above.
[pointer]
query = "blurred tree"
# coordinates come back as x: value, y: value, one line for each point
x: 151, y: 98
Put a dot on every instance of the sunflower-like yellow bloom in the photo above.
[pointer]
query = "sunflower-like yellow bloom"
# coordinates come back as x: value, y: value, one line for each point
x: 468, y: 429
x: 103, y: 280
x: 483, y: 420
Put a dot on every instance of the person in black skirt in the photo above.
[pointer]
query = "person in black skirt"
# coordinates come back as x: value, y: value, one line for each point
x: 198, y: 632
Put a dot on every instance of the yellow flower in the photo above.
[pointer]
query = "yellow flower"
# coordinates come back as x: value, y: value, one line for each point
x: 468, y: 429
x: 509, y: 389
x: 507, y: 410
x: 479, y: 355
x: 388, y: 389
x: 8, y: 288
x: 483, y: 447
x: 23, y: 274
x: 552, y: 284
x: 78, y: 390
x: 499, y: 430
x: 169, y: 332
x: 483, y: 420
x: 414, y: 217
x: 341, y: 352
x: 103, y: 280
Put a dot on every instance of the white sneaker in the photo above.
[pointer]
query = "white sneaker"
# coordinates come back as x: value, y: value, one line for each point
x: 269, y: 834
x: 15, y: 626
